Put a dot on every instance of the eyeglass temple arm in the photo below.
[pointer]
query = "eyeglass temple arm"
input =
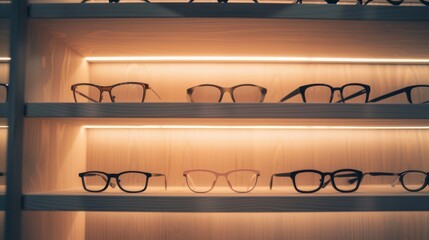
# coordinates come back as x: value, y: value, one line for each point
x: 375, y: 174
x: 277, y: 175
x: 83, y: 95
x: 290, y: 95
x: 161, y: 175
x: 112, y: 185
x: 388, y: 95
x: 356, y: 94
x: 351, y: 181
x: 156, y: 94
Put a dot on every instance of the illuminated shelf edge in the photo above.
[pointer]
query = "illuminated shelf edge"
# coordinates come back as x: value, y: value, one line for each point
x: 237, y: 203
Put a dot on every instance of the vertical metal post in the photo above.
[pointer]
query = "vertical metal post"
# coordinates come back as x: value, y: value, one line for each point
x: 18, y: 44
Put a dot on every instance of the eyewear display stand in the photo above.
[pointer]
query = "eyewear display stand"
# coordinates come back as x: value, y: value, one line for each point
x: 61, y: 138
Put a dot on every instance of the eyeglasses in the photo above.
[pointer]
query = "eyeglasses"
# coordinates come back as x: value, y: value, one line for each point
x: 121, y: 92
x: 310, y: 181
x: 214, y: 93
x: 323, y: 93
x: 415, y: 94
x: 130, y: 181
x: 411, y: 180
x: 3, y: 92
x: 203, y: 181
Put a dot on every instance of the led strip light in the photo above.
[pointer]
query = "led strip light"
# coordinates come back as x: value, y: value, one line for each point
x: 255, y: 59
x: 256, y: 127
x: 4, y: 59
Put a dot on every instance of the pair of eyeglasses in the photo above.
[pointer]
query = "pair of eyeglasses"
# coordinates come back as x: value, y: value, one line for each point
x: 121, y: 92
x: 310, y: 181
x: 203, y: 181
x: 324, y: 93
x: 415, y: 94
x: 213, y: 93
x: 3, y: 92
x: 411, y: 180
x: 129, y: 181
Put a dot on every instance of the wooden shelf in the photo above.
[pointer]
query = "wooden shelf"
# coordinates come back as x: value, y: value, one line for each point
x: 183, y: 200
x: 5, y: 10
x: 227, y: 110
x: 3, y: 110
x: 214, y: 10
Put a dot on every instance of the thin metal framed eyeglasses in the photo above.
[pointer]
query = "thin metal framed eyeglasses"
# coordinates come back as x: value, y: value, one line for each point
x: 121, y: 92
x: 3, y: 92
x: 239, y: 180
x: 129, y: 181
x: 240, y: 93
x: 416, y: 94
x: 310, y: 180
x: 319, y: 92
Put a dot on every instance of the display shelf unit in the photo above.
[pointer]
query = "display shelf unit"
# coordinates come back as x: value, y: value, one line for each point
x: 242, y: 10
x: 227, y: 110
x: 61, y: 138
x: 261, y: 201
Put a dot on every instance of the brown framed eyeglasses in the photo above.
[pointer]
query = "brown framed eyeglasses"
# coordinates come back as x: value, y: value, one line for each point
x: 210, y: 93
x: 121, y: 92
x: 239, y: 180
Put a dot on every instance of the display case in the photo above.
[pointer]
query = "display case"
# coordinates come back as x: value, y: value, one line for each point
x: 173, y: 47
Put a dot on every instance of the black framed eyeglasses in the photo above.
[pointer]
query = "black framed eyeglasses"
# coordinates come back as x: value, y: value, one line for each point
x: 240, y: 93
x: 3, y: 92
x: 121, y: 92
x: 129, y: 181
x: 415, y: 94
x: 324, y: 93
x: 310, y: 180
x: 411, y: 180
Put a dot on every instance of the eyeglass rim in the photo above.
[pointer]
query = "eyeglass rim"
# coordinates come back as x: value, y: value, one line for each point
x: 218, y: 174
x: 109, y: 176
x: 303, y: 88
x: 222, y: 90
x: 5, y: 85
x: 402, y: 175
x: 108, y: 88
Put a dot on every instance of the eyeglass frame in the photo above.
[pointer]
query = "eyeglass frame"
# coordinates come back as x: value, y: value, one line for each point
x: 116, y: 176
x: 217, y: 175
x: 6, y: 86
x: 406, y: 90
x: 301, y: 90
x: 323, y: 184
x: 106, y: 89
x: 400, y: 176
x: 229, y: 90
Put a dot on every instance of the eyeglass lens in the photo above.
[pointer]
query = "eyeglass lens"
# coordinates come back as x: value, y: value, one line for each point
x: 242, y: 181
x: 414, y: 181
x: 245, y: 93
x: 308, y: 181
x: 420, y: 94
x: 346, y: 180
x: 354, y: 94
x: 95, y: 181
x: 128, y: 92
x: 239, y: 181
x: 200, y: 181
x: 132, y: 181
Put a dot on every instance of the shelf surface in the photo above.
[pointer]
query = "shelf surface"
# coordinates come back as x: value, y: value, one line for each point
x: 3, y: 110
x: 373, y: 198
x: 227, y: 110
x: 214, y: 10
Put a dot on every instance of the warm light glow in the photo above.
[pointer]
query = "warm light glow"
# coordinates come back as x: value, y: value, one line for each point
x: 255, y: 59
x: 3, y: 126
x: 255, y: 127
x: 4, y: 59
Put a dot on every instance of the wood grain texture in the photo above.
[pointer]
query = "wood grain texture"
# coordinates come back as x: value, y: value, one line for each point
x: 172, y: 151
x: 227, y: 110
x: 228, y: 226
x: 53, y: 225
x: 240, y: 37
x: 215, y: 10
x: 51, y: 68
x: 53, y: 155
